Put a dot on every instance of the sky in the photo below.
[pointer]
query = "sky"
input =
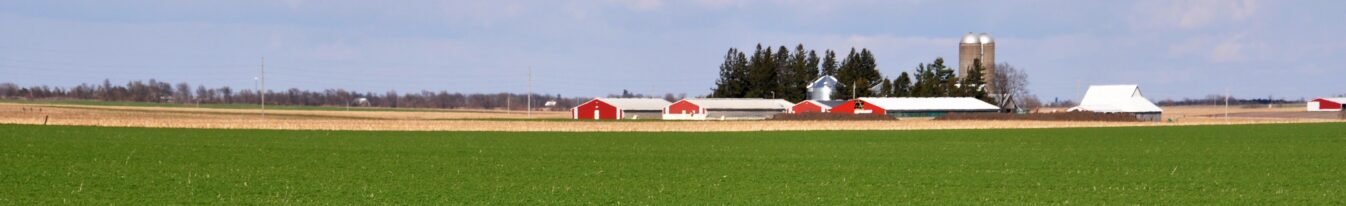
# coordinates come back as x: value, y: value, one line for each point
x: 1172, y: 48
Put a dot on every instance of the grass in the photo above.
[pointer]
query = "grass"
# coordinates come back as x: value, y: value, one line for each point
x: 1295, y: 164
x: 222, y: 106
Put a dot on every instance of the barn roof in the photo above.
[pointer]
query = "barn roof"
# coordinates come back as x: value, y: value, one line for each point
x: 1115, y: 98
x: 741, y: 103
x: 929, y: 103
x: 1337, y: 99
x: 825, y: 104
x: 636, y: 103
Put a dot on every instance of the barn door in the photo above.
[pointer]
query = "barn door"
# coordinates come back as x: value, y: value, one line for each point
x: 596, y: 114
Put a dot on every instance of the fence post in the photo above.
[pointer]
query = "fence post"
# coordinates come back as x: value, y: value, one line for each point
x: 44, y: 119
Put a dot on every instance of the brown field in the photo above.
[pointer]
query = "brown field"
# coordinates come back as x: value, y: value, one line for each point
x: 478, y: 120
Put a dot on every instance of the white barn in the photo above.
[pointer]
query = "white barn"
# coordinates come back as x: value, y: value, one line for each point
x: 1119, y: 99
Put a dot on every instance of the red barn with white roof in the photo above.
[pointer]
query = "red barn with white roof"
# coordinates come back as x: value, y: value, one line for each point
x: 619, y: 108
x: 1326, y: 104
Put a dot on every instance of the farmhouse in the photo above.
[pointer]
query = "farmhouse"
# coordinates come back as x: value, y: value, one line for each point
x: 1119, y: 99
x: 619, y: 108
x: 725, y: 109
x: 815, y: 106
x: 914, y: 106
x: 1326, y: 104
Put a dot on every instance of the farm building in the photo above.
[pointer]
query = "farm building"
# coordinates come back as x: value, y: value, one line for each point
x: 620, y: 108
x: 1326, y: 104
x: 815, y: 106
x: 1119, y: 99
x: 914, y: 106
x: 725, y: 109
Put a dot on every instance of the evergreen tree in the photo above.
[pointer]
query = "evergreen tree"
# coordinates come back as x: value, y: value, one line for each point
x: 830, y: 63
x: 886, y: 88
x: 762, y: 74
x: 785, y: 75
x: 803, y: 69
x: 729, y: 84
x: 858, y: 74
x: 847, y: 78
x: 971, y: 85
x: 944, y: 81
x: 902, y: 85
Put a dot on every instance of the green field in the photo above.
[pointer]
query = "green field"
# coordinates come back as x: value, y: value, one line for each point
x: 221, y: 106
x: 1295, y: 164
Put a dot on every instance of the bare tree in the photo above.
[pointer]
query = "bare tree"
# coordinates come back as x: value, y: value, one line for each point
x: 1010, y: 82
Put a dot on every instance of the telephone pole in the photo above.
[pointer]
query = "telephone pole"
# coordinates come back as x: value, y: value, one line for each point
x: 263, y: 92
x: 530, y: 92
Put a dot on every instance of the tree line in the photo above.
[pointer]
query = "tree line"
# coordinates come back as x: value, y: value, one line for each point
x: 786, y: 74
x: 182, y: 93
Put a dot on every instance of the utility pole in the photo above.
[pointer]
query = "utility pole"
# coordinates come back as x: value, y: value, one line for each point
x: 530, y: 92
x: 853, y: 90
x: 1226, y: 104
x: 263, y: 92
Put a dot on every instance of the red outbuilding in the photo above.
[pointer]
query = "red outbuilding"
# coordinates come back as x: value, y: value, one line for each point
x: 619, y: 108
x: 1326, y: 104
x: 857, y: 106
x: 815, y: 106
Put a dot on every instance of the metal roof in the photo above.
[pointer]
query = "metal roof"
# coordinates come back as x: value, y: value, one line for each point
x: 636, y: 103
x: 823, y: 82
x: 1115, y: 98
x: 825, y: 104
x: 741, y: 103
x: 970, y: 38
x: 929, y: 103
x: 1337, y: 99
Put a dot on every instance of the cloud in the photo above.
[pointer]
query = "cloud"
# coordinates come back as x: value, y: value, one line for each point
x: 1192, y: 14
x: 642, y: 5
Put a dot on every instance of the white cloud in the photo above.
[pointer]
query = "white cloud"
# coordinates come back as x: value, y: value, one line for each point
x: 642, y: 5
x: 1191, y: 14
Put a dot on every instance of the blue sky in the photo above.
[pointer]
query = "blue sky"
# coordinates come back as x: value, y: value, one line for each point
x: 1173, y: 49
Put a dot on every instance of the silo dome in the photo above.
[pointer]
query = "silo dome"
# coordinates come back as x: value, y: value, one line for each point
x: 970, y: 38
x: 985, y: 38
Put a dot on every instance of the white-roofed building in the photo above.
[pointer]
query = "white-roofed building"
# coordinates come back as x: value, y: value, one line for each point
x: 620, y: 108
x: 1326, y: 104
x: 914, y: 106
x: 726, y: 109
x: 1119, y: 99
x: 815, y: 106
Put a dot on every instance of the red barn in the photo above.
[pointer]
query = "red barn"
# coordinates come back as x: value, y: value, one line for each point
x: 619, y: 108
x: 1326, y: 104
x: 815, y: 106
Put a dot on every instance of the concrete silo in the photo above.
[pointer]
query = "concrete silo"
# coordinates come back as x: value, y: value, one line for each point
x: 972, y: 47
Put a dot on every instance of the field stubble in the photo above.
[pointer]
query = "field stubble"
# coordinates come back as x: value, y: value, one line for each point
x: 478, y: 120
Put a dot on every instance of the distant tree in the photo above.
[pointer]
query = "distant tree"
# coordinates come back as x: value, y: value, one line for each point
x: 858, y: 74
x: 762, y: 74
x: 785, y: 74
x: 886, y: 88
x: 733, y: 72
x: 1009, y: 81
x: 829, y: 64
x: 971, y: 85
x: 902, y: 85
